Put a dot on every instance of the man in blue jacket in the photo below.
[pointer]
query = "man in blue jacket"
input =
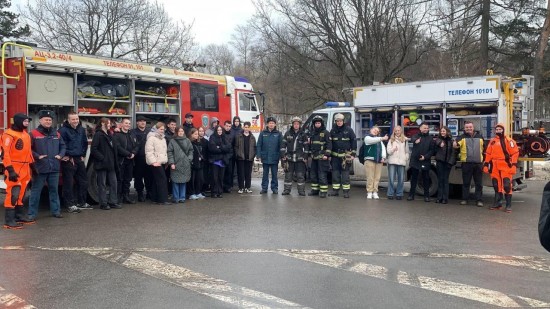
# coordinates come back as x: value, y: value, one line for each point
x: 47, y: 149
x: 75, y: 179
x: 269, y: 152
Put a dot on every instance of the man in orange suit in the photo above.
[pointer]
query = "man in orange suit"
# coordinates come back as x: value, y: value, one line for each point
x: 17, y: 157
x: 501, y: 159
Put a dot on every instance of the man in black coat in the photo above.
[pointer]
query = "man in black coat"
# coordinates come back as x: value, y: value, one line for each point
x: 127, y: 148
x: 104, y: 155
x: 229, y: 170
x: 544, y: 221
x: 420, y: 161
x: 142, y: 172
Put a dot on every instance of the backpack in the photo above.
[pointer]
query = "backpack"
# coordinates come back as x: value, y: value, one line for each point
x: 361, y: 154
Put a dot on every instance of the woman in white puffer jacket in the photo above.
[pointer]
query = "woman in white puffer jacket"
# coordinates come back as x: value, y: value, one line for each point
x: 156, y: 156
x: 398, y: 157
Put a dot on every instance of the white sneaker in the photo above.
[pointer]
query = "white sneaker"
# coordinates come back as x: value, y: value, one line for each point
x: 247, y: 190
x: 201, y: 196
x: 240, y: 191
x: 194, y: 197
x: 375, y: 196
x: 369, y: 195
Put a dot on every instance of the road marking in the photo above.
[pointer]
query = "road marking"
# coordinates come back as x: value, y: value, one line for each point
x: 9, y: 300
x: 200, y: 283
x: 470, y: 292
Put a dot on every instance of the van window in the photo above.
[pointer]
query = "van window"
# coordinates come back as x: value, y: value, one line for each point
x: 204, y: 97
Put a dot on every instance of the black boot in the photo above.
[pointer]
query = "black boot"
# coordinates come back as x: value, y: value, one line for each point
x: 20, y: 216
x: 285, y: 192
x: 126, y: 199
x: 334, y: 193
x: 313, y: 192
x: 322, y: 194
x: 346, y: 193
x: 497, y: 202
x: 410, y: 197
x: 141, y: 197
x: 508, y: 198
x: 9, y: 219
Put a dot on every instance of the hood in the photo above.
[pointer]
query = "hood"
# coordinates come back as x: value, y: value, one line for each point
x: 18, y: 122
x: 213, y: 120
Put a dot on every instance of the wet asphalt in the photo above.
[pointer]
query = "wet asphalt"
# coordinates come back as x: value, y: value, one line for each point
x: 245, y: 241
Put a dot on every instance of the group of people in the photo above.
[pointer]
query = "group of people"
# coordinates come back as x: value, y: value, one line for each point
x: 166, y: 160
x: 499, y: 159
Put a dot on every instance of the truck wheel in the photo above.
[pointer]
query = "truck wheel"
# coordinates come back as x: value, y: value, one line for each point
x: 92, y: 184
x: 433, y: 184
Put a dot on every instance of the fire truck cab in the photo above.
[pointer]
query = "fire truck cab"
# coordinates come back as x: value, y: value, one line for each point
x: 483, y: 100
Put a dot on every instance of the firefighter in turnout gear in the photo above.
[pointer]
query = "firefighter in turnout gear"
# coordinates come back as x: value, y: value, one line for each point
x: 17, y: 157
x: 294, y: 151
x: 501, y: 159
x: 344, y: 148
x: 320, y: 148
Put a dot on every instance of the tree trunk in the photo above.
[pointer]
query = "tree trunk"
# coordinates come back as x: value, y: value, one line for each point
x: 539, y: 61
x: 484, y: 48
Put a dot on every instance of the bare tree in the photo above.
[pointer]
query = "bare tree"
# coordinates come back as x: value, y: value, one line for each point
x: 242, y: 41
x: 218, y: 59
x: 132, y: 29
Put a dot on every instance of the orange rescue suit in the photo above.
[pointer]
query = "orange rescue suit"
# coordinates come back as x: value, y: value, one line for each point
x: 501, y: 168
x: 16, y: 150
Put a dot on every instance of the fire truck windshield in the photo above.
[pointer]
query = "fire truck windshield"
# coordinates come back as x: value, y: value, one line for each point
x: 247, y: 102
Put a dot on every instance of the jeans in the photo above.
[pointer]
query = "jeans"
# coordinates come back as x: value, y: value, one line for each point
x: 425, y: 181
x: 75, y: 181
x: 217, y: 179
x: 178, y: 191
x: 399, y: 171
x: 265, y: 177
x: 37, y: 185
x: 104, y: 176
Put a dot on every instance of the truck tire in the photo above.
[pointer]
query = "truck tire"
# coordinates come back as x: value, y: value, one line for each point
x: 92, y: 183
x: 433, y: 184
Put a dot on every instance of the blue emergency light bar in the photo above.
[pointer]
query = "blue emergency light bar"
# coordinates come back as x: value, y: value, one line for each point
x: 337, y: 104
x: 241, y: 79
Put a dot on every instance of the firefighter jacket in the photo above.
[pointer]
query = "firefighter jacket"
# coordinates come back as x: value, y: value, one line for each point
x: 343, y: 141
x: 320, y: 144
x: 75, y: 139
x: 502, y: 148
x: 471, y: 148
x: 47, y: 142
x: 269, y: 146
x: 544, y: 220
x: 295, y: 145
x: 423, y: 148
x: 126, y: 144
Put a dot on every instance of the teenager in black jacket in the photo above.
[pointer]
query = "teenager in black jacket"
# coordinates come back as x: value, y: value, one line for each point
x: 219, y: 150
x: 197, y: 176
x: 127, y: 149
x: 420, y: 161
x: 104, y: 155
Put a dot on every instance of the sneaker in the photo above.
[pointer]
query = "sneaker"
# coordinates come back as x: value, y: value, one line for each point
x: 479, y: 204
x: 375, y: 196
x: 263, y: 192
x: 369, y: 195
x: 85, y: 206
x: 194, y: 197
x: 73, y: 209
x: 247, y: 190
x: 463, y: 202
x: 201, y: 196
x: 240, y: 191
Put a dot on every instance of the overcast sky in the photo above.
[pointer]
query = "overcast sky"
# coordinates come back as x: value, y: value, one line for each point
x: 215, y: 20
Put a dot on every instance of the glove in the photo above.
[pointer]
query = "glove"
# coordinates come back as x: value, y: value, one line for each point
x: 13, y: 177
x: 487, y: 168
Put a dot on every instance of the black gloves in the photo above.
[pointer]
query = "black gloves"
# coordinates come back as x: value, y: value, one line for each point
x: 12, y: 174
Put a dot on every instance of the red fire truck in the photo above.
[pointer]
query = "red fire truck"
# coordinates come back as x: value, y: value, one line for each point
x: 35, y: 78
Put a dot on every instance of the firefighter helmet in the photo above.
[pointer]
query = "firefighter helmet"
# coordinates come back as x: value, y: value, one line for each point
x: 339, y: 117
x: 296, y: 119
x: 317, y: 119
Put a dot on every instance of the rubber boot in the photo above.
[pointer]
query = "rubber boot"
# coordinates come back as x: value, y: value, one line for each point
x: 346, y: 193
x: 508, y: 203
x: 285, y: 192
x: 301, y: 190
x: 313, y: 192
x: 20, y: 216
x: 322, y: 194
x: 334, y: 193
x: 141, y: 197
x: 126, y: 199
x: 9, y: 219
x: 497, y: 204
